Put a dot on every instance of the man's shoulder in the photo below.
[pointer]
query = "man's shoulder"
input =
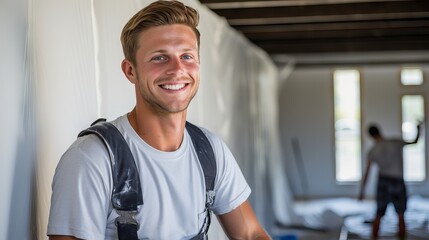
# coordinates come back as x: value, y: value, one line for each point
x: 214, y: 139
x: 88, y: 146
x: 394, y: 141
x: 120, y: 122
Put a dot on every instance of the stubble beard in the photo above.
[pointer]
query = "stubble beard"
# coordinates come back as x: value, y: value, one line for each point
x: 158, y: 106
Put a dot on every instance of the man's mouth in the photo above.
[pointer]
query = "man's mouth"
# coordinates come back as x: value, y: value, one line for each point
x: 173, y: 86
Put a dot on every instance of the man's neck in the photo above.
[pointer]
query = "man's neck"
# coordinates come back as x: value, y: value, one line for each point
x: 163, y: 132
x: 379, y: 138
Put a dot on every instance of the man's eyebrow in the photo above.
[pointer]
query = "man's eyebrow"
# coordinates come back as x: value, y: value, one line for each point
x: 158, y: 51
x: 190, y: 49
x: 187, y: 49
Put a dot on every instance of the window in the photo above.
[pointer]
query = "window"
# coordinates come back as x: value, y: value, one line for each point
x: 414, y: 155
x: 347, y: 125
x: 411, y: 76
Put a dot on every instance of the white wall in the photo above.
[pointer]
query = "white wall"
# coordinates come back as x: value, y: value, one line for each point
x: 306, y: 113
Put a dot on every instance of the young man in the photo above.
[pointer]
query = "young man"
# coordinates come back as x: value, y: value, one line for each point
x: 387, y: 154
x: 161, y: 48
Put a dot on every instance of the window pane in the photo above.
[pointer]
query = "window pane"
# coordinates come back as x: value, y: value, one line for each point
x: 411, y: 76
x: 414, y: 155
x: 347, y: 125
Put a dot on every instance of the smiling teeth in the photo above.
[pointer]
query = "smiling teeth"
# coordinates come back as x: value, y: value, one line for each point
x: 173, y: 86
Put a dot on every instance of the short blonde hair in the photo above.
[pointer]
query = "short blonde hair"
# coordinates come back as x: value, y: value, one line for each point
x: 158, y: 13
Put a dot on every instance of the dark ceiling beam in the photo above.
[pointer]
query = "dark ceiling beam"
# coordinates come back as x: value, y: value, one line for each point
x: 239, y: 4
x: 408, y: 43
x: 329, y: 18
x: 332, y: 30
x: 326, y: 10
x: 374, y: 33
x: 345, y: 26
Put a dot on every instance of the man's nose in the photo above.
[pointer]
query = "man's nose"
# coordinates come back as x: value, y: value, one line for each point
x: 175, y: 66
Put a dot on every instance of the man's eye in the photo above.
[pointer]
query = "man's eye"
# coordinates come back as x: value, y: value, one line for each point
x: 187, y: 57
x: 158, y: 58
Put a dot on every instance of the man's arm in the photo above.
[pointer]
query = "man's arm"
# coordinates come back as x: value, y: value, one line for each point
x: 241, y: 223
x: 417, y: 136
x: 62, y: 238
x: 365, y: 178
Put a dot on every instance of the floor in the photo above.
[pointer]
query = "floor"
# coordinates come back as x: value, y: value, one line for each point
x: 321, y: 220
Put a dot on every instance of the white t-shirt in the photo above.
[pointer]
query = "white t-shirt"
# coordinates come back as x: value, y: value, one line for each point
x: 387, y: 154
x: 172, y: 183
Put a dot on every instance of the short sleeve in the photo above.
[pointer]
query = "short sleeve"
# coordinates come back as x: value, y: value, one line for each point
x: 231, y: 187
x: 81, y: 191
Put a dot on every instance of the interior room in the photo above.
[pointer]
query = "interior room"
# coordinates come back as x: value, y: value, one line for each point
x: 291, y: 86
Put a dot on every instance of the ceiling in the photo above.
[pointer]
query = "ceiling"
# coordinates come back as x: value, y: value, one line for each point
x: 329, y: 26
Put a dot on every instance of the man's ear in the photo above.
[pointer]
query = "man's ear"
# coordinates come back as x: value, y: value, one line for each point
x: 129, y: 70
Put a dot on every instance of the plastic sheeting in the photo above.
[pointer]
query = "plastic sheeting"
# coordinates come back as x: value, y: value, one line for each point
x: 17, y: 152
x: 416, y: 219
x: 67, y: 73
x: 349, y: 218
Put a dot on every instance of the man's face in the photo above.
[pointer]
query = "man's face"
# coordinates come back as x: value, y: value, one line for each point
x: 167, y: 68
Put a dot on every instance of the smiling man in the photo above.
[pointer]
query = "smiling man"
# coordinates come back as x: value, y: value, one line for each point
x: 161, y: 48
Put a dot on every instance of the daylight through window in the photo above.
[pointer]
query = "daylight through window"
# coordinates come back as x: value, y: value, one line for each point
x: 347, y: 125
x: 414, y: 155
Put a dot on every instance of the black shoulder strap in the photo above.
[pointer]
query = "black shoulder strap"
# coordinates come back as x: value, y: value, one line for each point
x: 208, y: 164
x: 127, y: 192
x: 205, y: 154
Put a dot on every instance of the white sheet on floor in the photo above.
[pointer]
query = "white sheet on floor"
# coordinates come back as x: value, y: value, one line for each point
x: 357, y: 216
